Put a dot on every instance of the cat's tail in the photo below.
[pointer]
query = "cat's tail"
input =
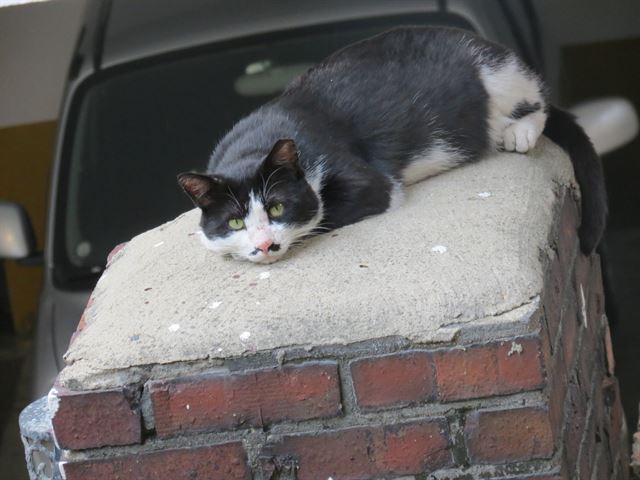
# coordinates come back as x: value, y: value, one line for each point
x: 562, y: 128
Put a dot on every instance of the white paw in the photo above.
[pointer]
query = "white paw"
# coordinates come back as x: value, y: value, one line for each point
x: 520, y: 136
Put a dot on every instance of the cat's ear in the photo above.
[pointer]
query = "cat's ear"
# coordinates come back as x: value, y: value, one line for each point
x: 199, y: 188
x: 283, y: 154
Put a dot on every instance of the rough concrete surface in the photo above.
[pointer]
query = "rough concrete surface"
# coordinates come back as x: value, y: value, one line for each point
x: 467, y: 246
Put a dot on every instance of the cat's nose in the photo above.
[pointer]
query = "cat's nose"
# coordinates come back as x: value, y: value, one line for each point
x: 264, y: 246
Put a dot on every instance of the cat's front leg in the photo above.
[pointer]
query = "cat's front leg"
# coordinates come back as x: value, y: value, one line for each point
x: 516, y: 104
x: 522, y: 135
x: 356, y: 192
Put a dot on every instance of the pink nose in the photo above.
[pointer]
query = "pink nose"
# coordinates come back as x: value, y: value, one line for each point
x: 264, y: 246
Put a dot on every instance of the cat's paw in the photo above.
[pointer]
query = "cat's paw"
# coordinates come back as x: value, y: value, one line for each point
x: 520, y: 136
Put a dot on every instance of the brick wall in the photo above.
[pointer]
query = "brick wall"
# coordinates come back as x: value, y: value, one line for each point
x: 544, y: 405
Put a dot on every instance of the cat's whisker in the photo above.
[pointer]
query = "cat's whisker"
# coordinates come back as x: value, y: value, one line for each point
x: 233, y: 197
x: 271, y: 187
x: 266, y: 184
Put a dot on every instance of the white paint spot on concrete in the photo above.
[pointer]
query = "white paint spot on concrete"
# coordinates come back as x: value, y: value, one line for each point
x: 258, y: 303
x: 264, y: 275
x: 174, y: 327
x: 244, y: 336
x: 484, y: 194
x: 583, y: 307
x: 219, y: 350
x: 439, y: 249
x: 215, y: 304
x: 159, y: 244
x: 515, y: 348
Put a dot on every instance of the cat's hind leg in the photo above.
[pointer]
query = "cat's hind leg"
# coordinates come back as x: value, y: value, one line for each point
x: 517, y: 108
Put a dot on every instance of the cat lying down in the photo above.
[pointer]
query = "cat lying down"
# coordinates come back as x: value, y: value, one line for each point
x: 343, y: 140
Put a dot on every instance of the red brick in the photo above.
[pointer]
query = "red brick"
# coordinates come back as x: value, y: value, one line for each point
x: 603, y: 464
x: 596, y: 299
x: 615, y: 421
x: 553, y: 297
x: 598, y: 407
x: 366, y: 452
x: 567, y: 234
x: 402, y: 379
x: 608, y: 348
x: 590, y: 299
x: 596, y: 287
x: 582, y: 272
x: 588, y: 359
x: 556, y: 395
x: 546, y: 347
x: 218, y: 462
x: 502, y: 436
x: 257, y: 398
x: 574, y: 425
x: 570, y: 333
x: 93, y: 419
x: 587, y: 453
x: 491, y: 369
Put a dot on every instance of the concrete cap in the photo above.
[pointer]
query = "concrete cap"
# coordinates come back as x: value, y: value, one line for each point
x: 466, y: 250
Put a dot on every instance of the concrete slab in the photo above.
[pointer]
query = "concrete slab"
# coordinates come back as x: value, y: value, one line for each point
x: 466, y: 249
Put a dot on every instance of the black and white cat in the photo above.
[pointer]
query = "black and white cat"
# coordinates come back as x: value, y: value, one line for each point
x: 344, y: 138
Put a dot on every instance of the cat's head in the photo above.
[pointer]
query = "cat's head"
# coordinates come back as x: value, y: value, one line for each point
x: 259, y: 217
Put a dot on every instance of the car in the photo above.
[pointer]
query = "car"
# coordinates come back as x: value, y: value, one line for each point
x: 153, y: 85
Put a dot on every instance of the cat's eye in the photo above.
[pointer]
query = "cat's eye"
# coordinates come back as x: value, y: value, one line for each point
x: 276, y: 210
x: 236, y: 223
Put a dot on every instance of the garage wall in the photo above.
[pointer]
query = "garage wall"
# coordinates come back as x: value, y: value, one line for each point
x: 577, y: 22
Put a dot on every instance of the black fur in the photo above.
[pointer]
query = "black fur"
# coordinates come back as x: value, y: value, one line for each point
x: 562, y: 128
x: 525, y: 108
x: 360, y: 117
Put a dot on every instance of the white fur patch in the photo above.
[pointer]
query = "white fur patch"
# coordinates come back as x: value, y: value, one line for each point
x: 508, y: 85
x: 243, y: 244
x: 316, y: 175
x: 397, y: 195
x: 440, y: 156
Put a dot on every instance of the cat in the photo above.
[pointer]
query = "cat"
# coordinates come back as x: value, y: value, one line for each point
x: 344, y: 138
